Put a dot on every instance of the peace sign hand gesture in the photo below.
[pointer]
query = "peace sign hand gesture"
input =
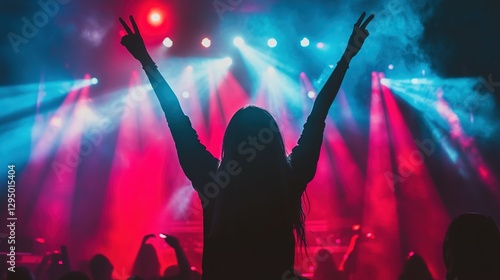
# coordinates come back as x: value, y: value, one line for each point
x: 135, y: 44
x: 358, y: 36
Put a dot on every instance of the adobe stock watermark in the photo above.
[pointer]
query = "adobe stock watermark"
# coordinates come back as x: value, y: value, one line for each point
x: 31, y: 27
x: 408, y: 164
x: 481, y: 93
x: 223, y: 6
x: 249, y: 148
x: 94, y: 136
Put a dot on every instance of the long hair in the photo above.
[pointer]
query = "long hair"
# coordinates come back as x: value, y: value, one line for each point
x: 253, y: 139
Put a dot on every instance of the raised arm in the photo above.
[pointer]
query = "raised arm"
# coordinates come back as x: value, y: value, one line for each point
x: 329, y: 91
x: 182, y: 260
x: 195, y: 160
x: 135, y: 45
x: 305, y: 155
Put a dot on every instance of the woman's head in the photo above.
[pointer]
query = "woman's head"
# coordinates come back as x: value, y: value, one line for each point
x: 252, y: 136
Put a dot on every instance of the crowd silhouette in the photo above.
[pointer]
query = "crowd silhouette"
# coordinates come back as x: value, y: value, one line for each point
x: 252, y: 198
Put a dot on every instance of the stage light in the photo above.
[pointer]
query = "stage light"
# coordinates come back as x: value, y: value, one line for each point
x: 356, y: 227
x: 423, y: 72
x: 320, y: 45
x: 311, y: 94
x: 304, y: 42
x: 414, y: 81
x: 189, y: 68
x: 40, y: 240
x: 162, y: 235
x: 167, y: 42
x: 238, y: 41
x: 56, y: 121
x: 272, y: 43
x: 206, y: 42
x: 271, y: 70
x: 390, y: 66
x: 185, y: 94
x: 411, y: 254
x: 227, y: 61
x: 155, y: 17
x: 94, y: 81
x: 330, y: 66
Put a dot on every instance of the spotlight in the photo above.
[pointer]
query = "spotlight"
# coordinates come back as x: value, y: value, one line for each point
x: 94, y: 81
x: 238, y: 41
x: 311, y: 94
x: 185, y: 94
x: 56, y: 121
x: 167, y: 42
x: 272, y: 43
x: 162, y: 235
x: 227, y: 61
x: 189, y: 68
x: 415, y: 81
x: 271, y: 70
x: 320, y: 45
x: 304, y: 42
x: 155, y: 18
x: 390, y: 66
x: 40, y: 240
x: 206, y: 42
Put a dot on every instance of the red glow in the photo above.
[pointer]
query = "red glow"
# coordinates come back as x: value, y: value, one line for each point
x: 380, y: 205
x: 356, y: 227
x: 415, y: 188
x: 40, y: 240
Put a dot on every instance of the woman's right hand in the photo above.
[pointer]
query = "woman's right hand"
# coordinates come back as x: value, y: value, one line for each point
x: 134, y: 43
x: 358, y: 36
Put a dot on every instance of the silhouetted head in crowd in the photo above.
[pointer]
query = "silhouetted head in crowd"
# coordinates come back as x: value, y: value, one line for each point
x: 20, y: 273
x: 100, y: 267
x: 172, y: 272
x: 415, y: 268
x: 253, y: 140
x: 326, y: 268
x: 147, y: 264
x: 75, y: 275
x: 471, y: 248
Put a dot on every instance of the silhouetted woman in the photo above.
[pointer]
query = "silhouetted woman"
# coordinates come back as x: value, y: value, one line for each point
x: 251, y: 197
